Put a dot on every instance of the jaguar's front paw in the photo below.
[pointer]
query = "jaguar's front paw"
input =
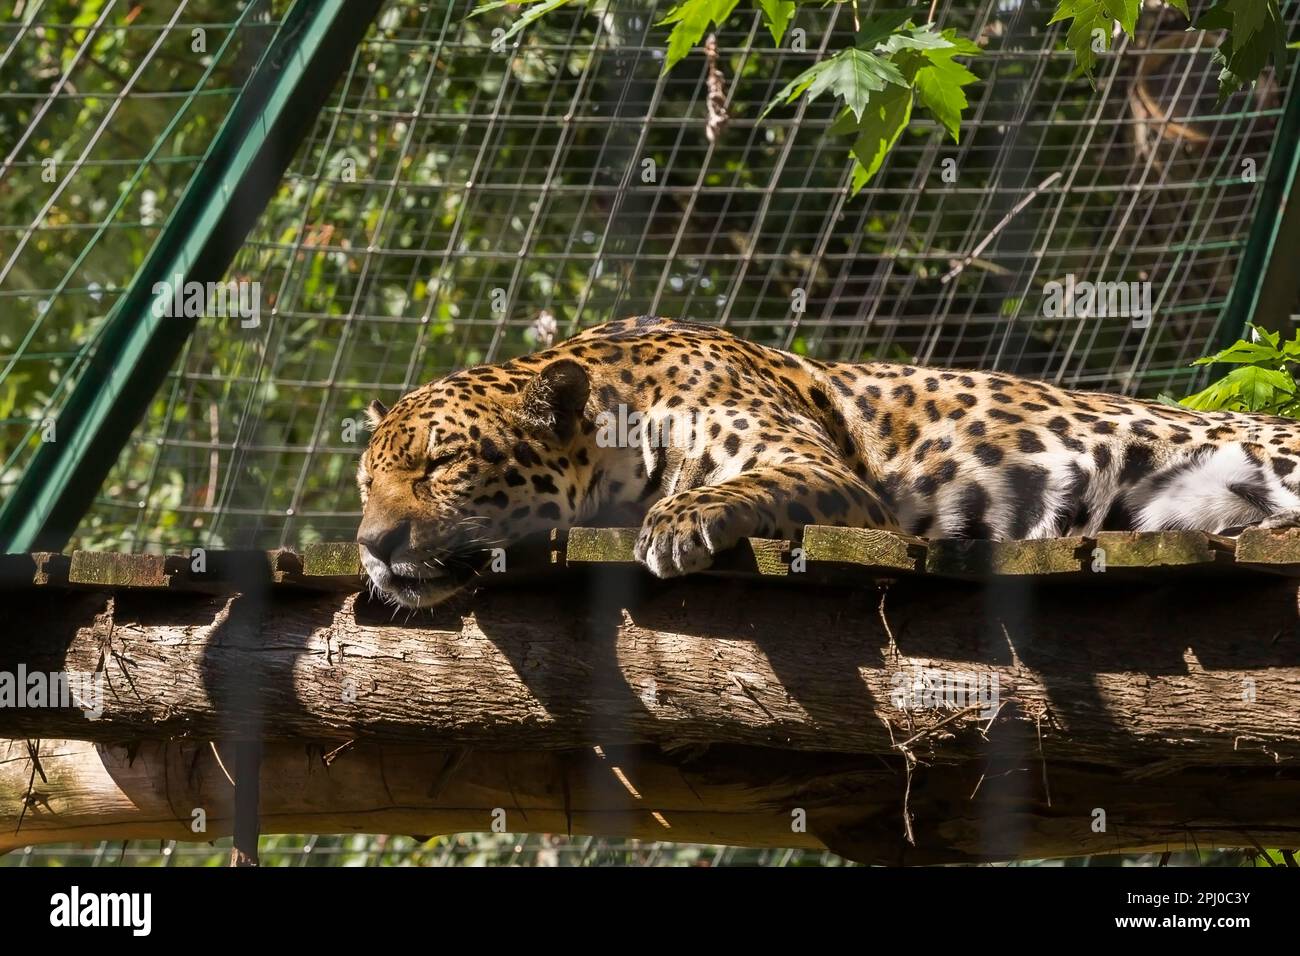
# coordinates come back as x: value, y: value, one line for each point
x: 680, y: 535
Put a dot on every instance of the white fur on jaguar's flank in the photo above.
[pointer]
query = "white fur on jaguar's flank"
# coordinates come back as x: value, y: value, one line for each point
x: 1200, y: 496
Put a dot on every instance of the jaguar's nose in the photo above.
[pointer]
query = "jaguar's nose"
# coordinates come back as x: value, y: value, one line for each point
x: 383, y: 540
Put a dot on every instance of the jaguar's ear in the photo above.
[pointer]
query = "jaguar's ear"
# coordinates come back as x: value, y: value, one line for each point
x: 555, y: 398
x: 375, y: 413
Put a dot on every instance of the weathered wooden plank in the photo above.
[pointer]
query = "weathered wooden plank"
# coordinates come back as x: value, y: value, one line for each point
x: 203, y: 570
x: 206, y: 571
x: 761, y: 556
x: 110, y: 569
x: 972, y: 558
x: 601, y: 545
x: 284, y: 569
x: 335, y: 566
x: 285, y: 566
x: 867, y: 548
x: 1161, y: 549
x: 331, y: 559
x: 769, y: 557
x: 1276, y: 550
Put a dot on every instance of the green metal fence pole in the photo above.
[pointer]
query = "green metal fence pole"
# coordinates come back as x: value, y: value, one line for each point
x: 1268, y: 275
x: 137, y: 349
x: 1275, y: 298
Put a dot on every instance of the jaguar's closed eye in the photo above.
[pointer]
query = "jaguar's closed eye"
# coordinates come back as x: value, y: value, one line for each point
x: 442, y: 461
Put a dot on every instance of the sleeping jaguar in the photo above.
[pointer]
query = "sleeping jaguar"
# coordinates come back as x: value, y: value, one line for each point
x: 702, y: 438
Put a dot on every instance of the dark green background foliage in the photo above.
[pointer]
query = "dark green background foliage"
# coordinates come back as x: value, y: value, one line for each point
x: 137, y: 108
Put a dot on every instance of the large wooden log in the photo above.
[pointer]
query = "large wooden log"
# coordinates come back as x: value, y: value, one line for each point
x: 1119, y: 676
x: 82, y: 792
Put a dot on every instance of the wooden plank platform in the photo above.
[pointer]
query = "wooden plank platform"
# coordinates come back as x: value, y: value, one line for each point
x: 823, y: 553
x: 965, y: 558
x: 864, y: 548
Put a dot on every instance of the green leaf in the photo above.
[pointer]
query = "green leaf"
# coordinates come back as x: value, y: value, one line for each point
x: 1125, y: 11
x: 844, y: 124
x: 778, y: 14
x: 962, y: 46
x: 1065, y: 10
x: 1272, y: 338
x: 1089, y: 15
x: 851, y: 74
x: 535, y: 12
x: 488, y: 7
x: 1181, y: 7
x: 1256, y: 32
x: 1217, y: 395
x: 1243, y: 353
x: 1260, y: 387
x: 915, y: 38
x: 1078, y: 36
x: 1218, y: 17
x: 691, y: 18
x: 939, y: 84
x: 1249, y: 389
x: 1248, y: 17
x: 875, y: 29
x: 1291, y: 349
x: 879, y: 127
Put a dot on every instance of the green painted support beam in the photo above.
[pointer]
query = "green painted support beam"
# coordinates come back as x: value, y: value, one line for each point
x: 1264, y: 288
x: 1274, y: 301
x: 137, y: 349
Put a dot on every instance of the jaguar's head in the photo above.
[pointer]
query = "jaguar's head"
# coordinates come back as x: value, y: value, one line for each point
x: 471, y: 462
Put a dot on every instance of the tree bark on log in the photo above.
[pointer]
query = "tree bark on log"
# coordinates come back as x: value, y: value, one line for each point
x: 1170, y: 707
x: 1119, y: 675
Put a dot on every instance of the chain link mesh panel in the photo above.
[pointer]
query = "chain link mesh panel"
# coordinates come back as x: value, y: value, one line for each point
x: 107, y: 111
x: 459, y: 194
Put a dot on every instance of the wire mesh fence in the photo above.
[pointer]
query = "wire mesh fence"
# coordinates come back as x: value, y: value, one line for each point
x: 107, y: 111
x: 453, y: 194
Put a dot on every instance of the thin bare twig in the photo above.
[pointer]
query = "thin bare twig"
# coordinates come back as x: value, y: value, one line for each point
x: 716, y: 87
x: 1262, y: 852
x: 909, y: 761
x: 745, y: 689
x: 884, y: 622
x: 1038, y: 724
x: 330, y: 756
x: 213, y: 745
x: 1002, y: 224
x: 930, y: 730
x: 31, y: 782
